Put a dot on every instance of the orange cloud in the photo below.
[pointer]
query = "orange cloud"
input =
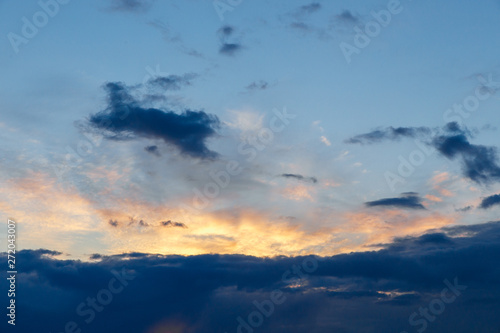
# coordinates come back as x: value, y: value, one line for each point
x: 297, y: 193
x: 433, y: 198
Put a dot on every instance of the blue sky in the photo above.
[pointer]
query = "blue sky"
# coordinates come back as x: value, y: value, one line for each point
x: 180, y: 128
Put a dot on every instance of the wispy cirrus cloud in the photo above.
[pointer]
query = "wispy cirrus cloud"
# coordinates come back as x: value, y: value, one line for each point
x: 389, y: 134
x: 172, y: 82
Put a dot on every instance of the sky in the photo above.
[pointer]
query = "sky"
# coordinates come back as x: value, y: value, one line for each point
x: 208, y: 146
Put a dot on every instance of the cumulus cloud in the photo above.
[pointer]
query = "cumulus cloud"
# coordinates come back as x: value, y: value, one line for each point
x: 125, y: 118
x: 479, y: 163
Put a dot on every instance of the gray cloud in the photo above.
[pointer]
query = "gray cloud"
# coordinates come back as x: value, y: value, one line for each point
x: 300, y: 177
x: 228, y: 48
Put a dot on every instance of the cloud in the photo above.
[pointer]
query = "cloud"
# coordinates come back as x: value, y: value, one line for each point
x: 389, y: 134
x: 172, y: 37
x: 464, y: 209
x: 300, y: 26
x: 490, y: 201
x: 300, y: 177
x: 408, y: 200
x: 152, y: 150
x: 257, y: 85
x: 347, y: 17
x: 130, y: 5
x: 170, y: 223
x: 325, y: 140
x: 228, y: 48
x: 479, y: 163
x: 212, y: 291
x: 310, y: 8
x: 125, y: 118
x: 172, y: 82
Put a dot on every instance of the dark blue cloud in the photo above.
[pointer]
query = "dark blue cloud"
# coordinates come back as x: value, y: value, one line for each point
x: 408, y: 200
x: 125, y: 118
x: 490, y: 201
x: 479, y: 163
x: 374, y: 291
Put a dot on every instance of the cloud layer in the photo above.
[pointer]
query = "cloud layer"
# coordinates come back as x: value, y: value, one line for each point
x: 366, y: 291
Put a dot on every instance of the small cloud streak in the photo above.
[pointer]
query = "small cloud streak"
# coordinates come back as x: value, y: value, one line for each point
x: 300, y: 178
x: 408, y: 200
